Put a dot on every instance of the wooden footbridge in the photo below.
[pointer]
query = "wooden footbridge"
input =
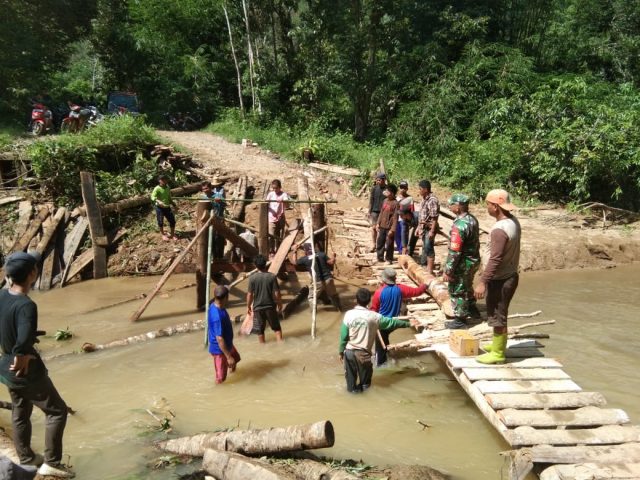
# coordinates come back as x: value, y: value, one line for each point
x: 553, y: 427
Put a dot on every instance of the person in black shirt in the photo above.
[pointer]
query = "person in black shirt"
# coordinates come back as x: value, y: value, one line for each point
x: 325, y: 286
x: 23, y: 371
x: 375, y: 205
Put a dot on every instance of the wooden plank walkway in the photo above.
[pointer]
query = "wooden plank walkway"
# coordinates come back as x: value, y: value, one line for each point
x: 553, y: 427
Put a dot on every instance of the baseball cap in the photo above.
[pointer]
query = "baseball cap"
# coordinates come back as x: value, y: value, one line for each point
x: 403, y: 184
x: 19, y: 264
x: 458, y: 198
x: 381, y: 176
x: 501, y: 198
x: 388, y: 276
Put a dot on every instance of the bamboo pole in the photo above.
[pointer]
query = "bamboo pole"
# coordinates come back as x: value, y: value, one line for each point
x: 257, y: 200
x: 208, y: 285
x: 203, y: 213
x: 136, y: 315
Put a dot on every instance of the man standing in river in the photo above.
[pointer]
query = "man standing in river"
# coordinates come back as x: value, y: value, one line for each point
x: 264, y: 301
x: 23, y: 371
x: 357, y: 336
x: 500, y: 277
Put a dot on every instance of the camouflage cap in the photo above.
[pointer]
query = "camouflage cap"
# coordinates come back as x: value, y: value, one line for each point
x: 458, y: 198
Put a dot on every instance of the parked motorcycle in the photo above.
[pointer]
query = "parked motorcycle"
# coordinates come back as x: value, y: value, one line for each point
x: 95, y: 116
x: 76, y: 120
x: 184, y: 121
x: 41, y: 119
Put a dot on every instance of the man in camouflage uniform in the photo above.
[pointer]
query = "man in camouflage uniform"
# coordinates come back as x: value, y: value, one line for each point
x: 462, y: 261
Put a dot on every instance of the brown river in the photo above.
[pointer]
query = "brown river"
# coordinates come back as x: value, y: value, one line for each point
x: 596, y: 337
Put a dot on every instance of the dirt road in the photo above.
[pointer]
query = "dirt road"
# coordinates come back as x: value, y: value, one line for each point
x: 552, y: 238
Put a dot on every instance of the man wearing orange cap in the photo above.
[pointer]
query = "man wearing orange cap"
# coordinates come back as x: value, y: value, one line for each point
x: 500, y: 277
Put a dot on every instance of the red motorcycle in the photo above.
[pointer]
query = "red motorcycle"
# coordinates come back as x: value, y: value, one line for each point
x: 76, y: 120
x: 41, y: 119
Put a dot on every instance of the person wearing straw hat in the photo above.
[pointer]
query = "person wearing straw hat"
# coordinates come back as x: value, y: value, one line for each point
x: 463, y: 260
x: 23, y: 371
x: 499, y: 280
x: 214, y: 191
x: 387, y: 301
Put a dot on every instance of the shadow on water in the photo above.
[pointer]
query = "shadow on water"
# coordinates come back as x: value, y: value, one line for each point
x: 256, y: 370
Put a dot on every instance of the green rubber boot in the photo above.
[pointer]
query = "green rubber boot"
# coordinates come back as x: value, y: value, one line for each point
x: 496, y: 354
x: 487, y: 347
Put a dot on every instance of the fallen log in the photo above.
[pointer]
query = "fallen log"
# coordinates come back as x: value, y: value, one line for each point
x: 256, y: 441
x: 436, y: 288
x: 140, y: 200
x: 186, y: 327
x: 232, y: 466
x: 326, y: 167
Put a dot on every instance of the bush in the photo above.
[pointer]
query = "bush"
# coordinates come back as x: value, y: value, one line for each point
x: 110, y: 147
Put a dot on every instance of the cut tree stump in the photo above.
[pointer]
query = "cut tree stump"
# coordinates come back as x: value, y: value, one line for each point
x: 255, y: 442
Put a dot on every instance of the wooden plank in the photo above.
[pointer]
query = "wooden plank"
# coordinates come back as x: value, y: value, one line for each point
x: 470, y: 362
x: 523, y: 386
x: 205, y: 228
x: 283, y: 251
x: 71, y: 245
x: 523, y: 352
x: 228, y: 233
x: 501, y: 401
x: 422, y: 307
x: 592, y: 471
x: 8, y: 200
x: 86, y: 257
x: 24, y: 216
x: 50, y: 230
x: 478, y: 399
x: 581, y: 417
x: 475, y: 374
x: 603, y: 455
x: 96, y: 229
x: 605, y: 435
x: 48, y: 266
x: 22, y: 242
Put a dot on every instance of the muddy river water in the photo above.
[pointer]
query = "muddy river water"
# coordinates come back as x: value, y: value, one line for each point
x: 300, y: 380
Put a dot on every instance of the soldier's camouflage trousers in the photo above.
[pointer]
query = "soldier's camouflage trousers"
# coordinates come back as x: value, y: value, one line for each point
x: 461, y: 293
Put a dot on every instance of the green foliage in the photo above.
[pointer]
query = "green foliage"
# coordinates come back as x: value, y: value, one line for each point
x: 109, y: 147
x: 63, y: 334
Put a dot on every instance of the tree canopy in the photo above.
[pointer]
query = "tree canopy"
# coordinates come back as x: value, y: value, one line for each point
x: 537, y: 95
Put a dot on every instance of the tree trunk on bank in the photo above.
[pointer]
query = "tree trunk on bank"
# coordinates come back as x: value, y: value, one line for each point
x: 255, y: 442
x: 436, y: 288
x: 140, y: 200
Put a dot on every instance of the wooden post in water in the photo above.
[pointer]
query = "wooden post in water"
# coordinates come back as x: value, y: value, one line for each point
x: 96, y: 230
x: 319, y: 221
x: 202, y: 215
x: 263, y: 230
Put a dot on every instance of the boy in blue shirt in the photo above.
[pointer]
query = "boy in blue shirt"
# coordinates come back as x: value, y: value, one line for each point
x: 225, y: 356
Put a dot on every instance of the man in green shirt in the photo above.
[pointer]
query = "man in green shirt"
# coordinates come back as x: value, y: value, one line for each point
x: 162, y: 201
x: 357, y: 336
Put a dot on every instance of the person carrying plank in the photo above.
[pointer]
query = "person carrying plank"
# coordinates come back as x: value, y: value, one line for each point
x: 499, y: 280
x: 24, y: 373
x: 462, y: 262
x: 357, y: 336
x: 264, y: 301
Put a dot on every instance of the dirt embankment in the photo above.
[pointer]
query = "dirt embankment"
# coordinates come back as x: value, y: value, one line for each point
x: 553, y: 238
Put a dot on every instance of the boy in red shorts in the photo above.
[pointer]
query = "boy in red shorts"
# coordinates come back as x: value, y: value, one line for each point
x: 225, y: 356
